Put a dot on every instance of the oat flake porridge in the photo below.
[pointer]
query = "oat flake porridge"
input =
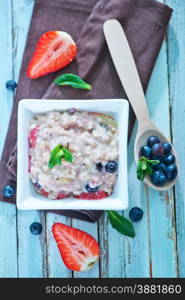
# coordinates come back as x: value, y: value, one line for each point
x: 73, y: 153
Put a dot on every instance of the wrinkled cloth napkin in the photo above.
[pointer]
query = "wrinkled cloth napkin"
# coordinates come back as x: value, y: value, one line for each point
x: 145, y: 23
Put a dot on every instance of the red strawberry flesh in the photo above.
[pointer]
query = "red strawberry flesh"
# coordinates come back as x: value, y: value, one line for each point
x: 43, y: 193
x: 93, y: 196
x: 54, y: 51
x: 33, y: 136
x: 62, y: 196
x: 78, y: 249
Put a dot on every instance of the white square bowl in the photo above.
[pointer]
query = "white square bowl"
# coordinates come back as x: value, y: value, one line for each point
x: 27, y: 198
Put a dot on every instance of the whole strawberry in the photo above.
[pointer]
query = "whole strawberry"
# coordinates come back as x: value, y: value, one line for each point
x: 54, y: 51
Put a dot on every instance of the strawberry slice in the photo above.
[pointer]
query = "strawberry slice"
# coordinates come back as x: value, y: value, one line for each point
x: 33, y: 136
x: 54, y: 51
x: 93, y: 196
x: 79, y: 250
x: 62, y: 196
x: 44, y: 193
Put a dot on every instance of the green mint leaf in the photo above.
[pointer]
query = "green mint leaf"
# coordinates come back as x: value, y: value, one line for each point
x: 73, y: 81
x: 150, y: 161
x: 144, y: 165
x: 57, y: 154
x: 153, y: 162
x: 67, y: 155
x: 141, y: 174
x: 142, y: 158
x: 55, y: 157
x: 139, y: 165
x: 149, y: 170
x: 121, y: 224
x: 53, y: 162
x: 56, y: 150
x: 140, y: 171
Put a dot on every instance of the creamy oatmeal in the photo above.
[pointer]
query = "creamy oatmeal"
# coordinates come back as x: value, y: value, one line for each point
x: 92, y: 140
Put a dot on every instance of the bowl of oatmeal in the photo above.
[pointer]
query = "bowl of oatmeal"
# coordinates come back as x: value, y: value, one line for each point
x: 72, y: 154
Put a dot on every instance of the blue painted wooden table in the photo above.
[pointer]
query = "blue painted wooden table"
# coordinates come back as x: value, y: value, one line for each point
x: 159, y: 247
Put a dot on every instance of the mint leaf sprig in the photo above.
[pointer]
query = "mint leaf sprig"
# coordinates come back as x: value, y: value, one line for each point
x: 121, y: 224
x: 144, y: 167
x: 57, y: 154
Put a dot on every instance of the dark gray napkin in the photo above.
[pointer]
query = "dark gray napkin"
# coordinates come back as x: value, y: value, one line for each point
x: 145, y: 23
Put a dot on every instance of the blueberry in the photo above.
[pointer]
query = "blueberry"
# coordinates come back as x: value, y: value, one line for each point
x: 169, y: 159
x: 157, y: 150
x: 91, y: 189
x: 104, y: 125
x: 36, y: 228
x: 160, y: 166
x: 152, y: 140
x: 72, y: 110
x: 158, y: 178
x: 8, y: 191
x: 167, y: 148
x: 171, y: 172
x: 146, y: 151
x: 111, y: 166
x: 99, y: 166
x: 37, y: 185
x: 136, y: 214
x: 11, y: 85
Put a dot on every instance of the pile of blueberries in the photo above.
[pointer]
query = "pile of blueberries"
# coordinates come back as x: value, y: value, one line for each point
x: 166, y: 169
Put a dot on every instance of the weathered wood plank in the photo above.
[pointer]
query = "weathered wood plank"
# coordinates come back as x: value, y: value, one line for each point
x: 149, y: 233
x: 112, y: 258
x: 8, y: 239
x: 155, y: 261
x: 31, y: 249
x: 176, y: 59
x: 119, y: 253
x: 56, y: 267
x: 6, y: 66
x: 137, y: 250
x: 161, y: 205
x: 161, y: 246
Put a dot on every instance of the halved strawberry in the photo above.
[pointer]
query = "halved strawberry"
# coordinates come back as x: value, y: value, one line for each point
x: 54, y: 51
x: 79, y: 250
x: 32, y: 136
x: 93, y: 196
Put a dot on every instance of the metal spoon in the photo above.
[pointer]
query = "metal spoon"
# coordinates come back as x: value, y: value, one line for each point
x: 128, y: 74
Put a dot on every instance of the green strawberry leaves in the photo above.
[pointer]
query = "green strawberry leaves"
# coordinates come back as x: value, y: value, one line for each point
x: 57, y: 154
x: 73, y: 81
x: 121, y: 224
x: 144, y: 167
